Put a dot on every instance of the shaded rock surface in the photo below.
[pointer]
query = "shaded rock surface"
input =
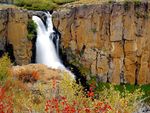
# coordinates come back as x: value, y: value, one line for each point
x: 3, y: 32
x: 110, y: 41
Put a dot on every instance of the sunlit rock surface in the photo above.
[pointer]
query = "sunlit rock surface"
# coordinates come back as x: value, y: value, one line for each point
x: 112, y: 41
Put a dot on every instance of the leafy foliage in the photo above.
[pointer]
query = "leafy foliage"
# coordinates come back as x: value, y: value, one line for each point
x: 122, y: 102
x: 100, y: 87
x: 31, y: 27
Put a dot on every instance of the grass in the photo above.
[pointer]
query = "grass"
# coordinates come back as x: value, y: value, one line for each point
x: 5, y: 64
x: 123, y: 87
x: 53, y: 4
x: 36, y: 4
x: 41, y: 4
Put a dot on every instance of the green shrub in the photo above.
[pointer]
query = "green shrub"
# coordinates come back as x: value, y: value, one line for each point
x: 122, y: 88
x: 137, y: 3
x: 122, y: 102
x: 62, y: 1
x: 31, y: 29
x: 5, y: 64
x: 40, y: 4
x: 36, y: 4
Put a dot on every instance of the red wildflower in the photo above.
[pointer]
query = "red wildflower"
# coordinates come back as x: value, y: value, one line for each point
x: 87, y: 110
x: 91, y: 94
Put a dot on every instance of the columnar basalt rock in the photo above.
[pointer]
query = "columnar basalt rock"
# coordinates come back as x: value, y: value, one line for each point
x: 17, y: 35
x: 13, y: 31
x: 110, y: 40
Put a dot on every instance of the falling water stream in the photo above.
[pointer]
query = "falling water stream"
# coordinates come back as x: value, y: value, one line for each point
x: 46, y: 51
x: 45, y: 48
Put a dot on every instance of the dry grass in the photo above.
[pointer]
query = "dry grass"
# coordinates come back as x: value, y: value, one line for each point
x: 87, y: 2
x: 102, y: 1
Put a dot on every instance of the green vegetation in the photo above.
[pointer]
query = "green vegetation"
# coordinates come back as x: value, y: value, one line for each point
x: 41, y: 4
x: 122, y: 88
x: 62, y: 1
x: 126, y: 5
x: 137, y: 2
x: 31, y: 27
x: 94, y: 30
x: 111, y: 1
x: 5, y: 64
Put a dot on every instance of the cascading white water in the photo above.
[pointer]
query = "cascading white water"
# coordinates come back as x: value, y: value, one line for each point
x: 45, y: 48
x: 46, y: 53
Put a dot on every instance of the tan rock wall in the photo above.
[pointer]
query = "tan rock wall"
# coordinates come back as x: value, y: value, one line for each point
x: 13, y: 30
x: 17, y: 36
x: 111, y: 40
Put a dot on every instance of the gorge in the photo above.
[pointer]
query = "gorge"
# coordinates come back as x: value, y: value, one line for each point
x: 104, y: 45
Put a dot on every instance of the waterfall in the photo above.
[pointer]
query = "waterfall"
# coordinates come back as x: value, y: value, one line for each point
x: 47, y: 44
x: 45, y: 48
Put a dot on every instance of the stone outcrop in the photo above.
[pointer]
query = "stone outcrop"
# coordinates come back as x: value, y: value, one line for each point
x: 109, y: 41
x: 13, y: 31
x: 38, y: 80
x: 17, y: 35
x: 41, y: 73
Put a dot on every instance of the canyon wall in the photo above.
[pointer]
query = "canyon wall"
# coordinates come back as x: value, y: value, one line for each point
x: 13, y: 35
x: 109, y: 41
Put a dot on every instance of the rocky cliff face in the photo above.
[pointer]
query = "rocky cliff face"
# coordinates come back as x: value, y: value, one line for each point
x: 108, y: 41
x: 13, y: 35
